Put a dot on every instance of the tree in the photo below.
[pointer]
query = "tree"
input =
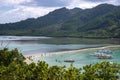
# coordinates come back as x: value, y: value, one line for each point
x: 12, y: 67
x: 101, y: 71
x: 7, y: 57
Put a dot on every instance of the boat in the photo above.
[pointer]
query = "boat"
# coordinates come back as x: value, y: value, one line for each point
x: 103, y: 54
x: 69, y: 60
x: 105, y: 51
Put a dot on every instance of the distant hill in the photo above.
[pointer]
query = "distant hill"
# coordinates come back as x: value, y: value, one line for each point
x: 102, y: 21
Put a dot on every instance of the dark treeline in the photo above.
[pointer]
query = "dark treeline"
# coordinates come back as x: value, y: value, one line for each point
x: 13, y: 67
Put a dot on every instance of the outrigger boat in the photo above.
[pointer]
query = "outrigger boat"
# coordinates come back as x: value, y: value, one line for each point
x: 69, y: 60
x: 105, y: 51
x: 103, y: 54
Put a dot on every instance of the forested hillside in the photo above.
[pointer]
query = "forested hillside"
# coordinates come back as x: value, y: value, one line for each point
x: 102, y: 21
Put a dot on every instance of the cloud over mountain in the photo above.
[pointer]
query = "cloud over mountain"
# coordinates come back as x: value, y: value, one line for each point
x: 16, y: 10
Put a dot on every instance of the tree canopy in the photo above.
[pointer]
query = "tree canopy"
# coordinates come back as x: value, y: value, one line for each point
x: 13, y: 67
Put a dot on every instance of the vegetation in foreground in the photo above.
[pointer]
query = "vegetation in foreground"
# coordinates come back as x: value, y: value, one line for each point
x: 13, y: 67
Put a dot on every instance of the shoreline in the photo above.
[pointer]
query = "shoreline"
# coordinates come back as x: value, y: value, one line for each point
x: 70, y: 51
x: 83, y: 49
x: 34, y: 57
x: 63, y: 36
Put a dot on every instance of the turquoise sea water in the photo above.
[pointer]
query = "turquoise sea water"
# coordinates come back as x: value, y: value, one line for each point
x: 35, y: 46
x: 81, y: 58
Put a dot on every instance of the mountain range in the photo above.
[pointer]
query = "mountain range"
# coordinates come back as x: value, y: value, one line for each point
x: 102, y: 21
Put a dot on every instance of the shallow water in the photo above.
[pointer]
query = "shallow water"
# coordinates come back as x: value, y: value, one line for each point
x: 37, y: 45
x: 81, y: 58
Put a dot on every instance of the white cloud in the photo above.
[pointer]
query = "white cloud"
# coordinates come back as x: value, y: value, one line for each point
x: 91, y: 3
x: 82, y: 4
x: 115, y: 2
x: 23, y: 12
x: 15, y: 2
x: 16, y: 10
x: 48, y: 3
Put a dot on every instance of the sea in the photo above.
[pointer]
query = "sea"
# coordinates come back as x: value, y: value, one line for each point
x: 55, y: 50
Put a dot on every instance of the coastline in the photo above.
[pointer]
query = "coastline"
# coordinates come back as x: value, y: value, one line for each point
x: 84, y: 49
x: 34, y: 57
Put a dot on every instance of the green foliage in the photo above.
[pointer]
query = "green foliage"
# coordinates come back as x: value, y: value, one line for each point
x: 101, y: 71
x: 16, y: 69
x: 7, y: 57
x: 73, y: 73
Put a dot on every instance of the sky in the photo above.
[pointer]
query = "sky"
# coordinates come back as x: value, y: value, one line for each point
x: 17, y: 10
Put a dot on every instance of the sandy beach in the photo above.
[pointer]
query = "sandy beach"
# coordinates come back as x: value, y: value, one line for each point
x: 83, y: 49
x: 33, y: 57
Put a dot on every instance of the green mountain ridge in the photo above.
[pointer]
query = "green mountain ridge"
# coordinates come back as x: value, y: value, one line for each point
x: 102, y: 21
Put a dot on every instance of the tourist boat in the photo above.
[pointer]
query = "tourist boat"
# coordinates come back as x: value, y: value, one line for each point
x: 69, y: 60
x: 102, y: 54
x: 105, y: 51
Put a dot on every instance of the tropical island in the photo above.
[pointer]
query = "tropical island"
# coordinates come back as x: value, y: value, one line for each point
x: 102, y: 21
x: 64, y: 44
